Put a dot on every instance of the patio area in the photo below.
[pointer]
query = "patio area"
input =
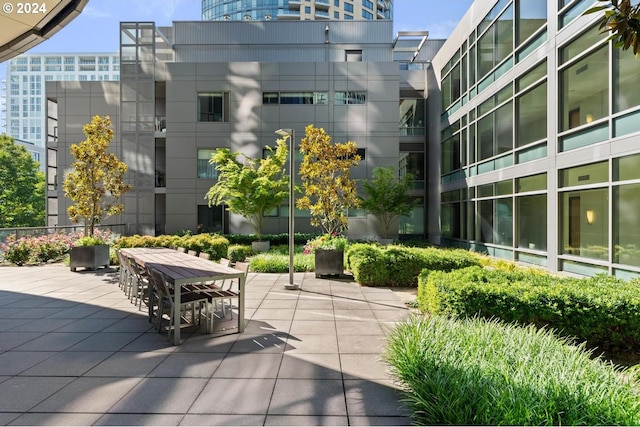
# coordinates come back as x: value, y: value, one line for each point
x: 75, y: 351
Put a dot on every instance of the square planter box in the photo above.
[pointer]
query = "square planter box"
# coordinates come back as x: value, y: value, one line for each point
x: 329, y: 262
x: 89, y: 257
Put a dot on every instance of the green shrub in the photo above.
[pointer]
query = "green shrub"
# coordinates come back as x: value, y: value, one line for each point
x: 239, y: 253
x: 602, y: 310
x: 215, y: 245
x: 279, y: 263
x: 477, y: 372
x: 374, y: 265
x: 275, y: 239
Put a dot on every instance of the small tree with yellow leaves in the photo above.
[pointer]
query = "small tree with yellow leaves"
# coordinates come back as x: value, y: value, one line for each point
x: 95, y: 183
x: 325, y: 172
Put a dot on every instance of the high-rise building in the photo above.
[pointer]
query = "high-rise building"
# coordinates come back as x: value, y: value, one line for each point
x: 300, y: 10
x: 25, y: 100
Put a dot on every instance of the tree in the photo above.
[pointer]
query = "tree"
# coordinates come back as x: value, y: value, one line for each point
x: 622, y: 19
x: 388, y: 198
x: 95, y: 183
x: 22, y: 187
x: 250, y: 187
x: 325, y: 171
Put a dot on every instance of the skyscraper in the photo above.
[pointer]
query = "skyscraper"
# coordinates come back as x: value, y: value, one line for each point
x: 302, y: 10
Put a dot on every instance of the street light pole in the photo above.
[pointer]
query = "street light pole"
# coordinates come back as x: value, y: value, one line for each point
x: 291, y: 134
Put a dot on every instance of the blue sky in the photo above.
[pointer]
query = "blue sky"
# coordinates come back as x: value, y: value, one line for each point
x: 437, y: 16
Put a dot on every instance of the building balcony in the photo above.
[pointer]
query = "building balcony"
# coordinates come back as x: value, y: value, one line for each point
x: 294, y: 4
x: 289, y: 15
x: 322, y: 4
x: 321, y: 15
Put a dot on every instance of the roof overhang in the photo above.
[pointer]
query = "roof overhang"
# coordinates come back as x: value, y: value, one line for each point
x: 26, y: 24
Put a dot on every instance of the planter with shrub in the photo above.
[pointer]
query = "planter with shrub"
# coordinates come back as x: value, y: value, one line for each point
x: 90, y: 253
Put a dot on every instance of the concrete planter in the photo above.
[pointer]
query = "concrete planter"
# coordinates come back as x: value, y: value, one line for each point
x: 89, y: 257
x: 260, y: 246
x: 329, y: 262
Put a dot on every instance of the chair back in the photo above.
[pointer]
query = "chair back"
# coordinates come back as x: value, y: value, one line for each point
x: 225, y: 262
x: 204, y: 255
x: 180, y: 249
x: 159, y: 283
x: 191, y: 252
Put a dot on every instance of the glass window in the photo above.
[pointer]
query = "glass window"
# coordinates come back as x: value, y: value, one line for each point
x: 213, y: 107
x: 531, y: 115
x: 206, y: 169
x: 296, y: 98
x: 342, y: 98
x: 585, y: 90
x: 531, y: 15
x: 580, y: 44
x: 585, y: 223
x: 496, y: 44
x: 348, y: 7
x: 210, y: 219
x: 451, y: 87
x: 626, y: 223
x: 626, y: 168
x: 532, y: 222
x: 532, y: 183
x: 531, y: 77
x: 626, y: 69
x: 412, y: 113
x: 451, y: 154
x: 412, y: 224
x: 583, y: 175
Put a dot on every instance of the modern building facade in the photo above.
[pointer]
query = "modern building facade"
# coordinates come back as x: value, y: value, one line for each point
x: 300, y: 10
x: 25, y: 100
x: 534, y: 116
x: 186, y: 90
x: 523, y: 129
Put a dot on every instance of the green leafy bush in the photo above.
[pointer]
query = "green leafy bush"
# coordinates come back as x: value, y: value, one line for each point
x: 477, y: 372
x: 275, y: 239
x: 602, y: 310
x: 239, y: 253
x: 279, y: 263
x: 214, y: 245
x: 374, y: 265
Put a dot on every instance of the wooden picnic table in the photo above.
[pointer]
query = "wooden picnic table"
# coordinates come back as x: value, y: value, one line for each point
x: 183, y: 269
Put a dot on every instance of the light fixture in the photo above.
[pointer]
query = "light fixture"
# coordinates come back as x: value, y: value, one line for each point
x: 591, y: 216
x: 291, y: 134
x: 589, y: 118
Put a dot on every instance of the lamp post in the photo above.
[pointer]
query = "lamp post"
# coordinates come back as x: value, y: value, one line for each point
x: 291, y: 134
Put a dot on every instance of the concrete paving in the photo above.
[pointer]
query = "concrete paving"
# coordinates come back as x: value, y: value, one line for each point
x: 75, y: 351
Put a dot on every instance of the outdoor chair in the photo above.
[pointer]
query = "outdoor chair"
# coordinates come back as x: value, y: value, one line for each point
x: 229, y: 290
x: 139, y: 288
x: 193, y: 253
x: 204, y: 255
x: 163, y: 300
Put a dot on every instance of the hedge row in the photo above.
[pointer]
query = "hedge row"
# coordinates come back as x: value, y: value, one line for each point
x: 275, y: 239
x: 214, y: 245
x: 400, y: 266
x: 602, y: 310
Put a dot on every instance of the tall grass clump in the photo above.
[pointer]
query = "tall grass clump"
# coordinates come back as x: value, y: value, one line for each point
x: 279, y: 263
x: 479, y: 372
